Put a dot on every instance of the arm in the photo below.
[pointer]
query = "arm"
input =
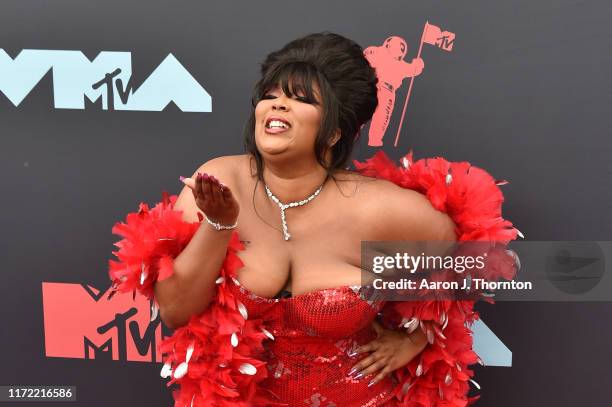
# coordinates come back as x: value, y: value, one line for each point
x: 440, y: 374
x: 369, y: 51
x: 191, y: 287
x: 402, y: 215
x: 216, y: 353
x: 167, y: 254
x: 407, y: 215
x: 422, y: 222
x: 414, y: 68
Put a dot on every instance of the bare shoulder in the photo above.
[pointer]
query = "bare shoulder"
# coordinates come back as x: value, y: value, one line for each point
x: 224, y: 167
x: 391, y: 212
x: 376, y: 194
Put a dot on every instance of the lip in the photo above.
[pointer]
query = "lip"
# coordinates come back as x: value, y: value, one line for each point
x: 280, y: 119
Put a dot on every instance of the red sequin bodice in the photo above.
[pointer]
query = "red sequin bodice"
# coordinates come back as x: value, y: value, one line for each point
x: 314, y: 335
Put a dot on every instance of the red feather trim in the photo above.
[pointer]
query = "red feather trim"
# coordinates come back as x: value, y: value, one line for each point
x: 225, y: 363
x: 470, y: 196
x: 225, y: 350
x: 152, y: 238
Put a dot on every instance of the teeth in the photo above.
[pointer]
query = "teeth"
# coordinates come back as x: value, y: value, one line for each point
x: 277, y: 123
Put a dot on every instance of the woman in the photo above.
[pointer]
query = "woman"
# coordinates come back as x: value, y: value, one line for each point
x: 256, y: 264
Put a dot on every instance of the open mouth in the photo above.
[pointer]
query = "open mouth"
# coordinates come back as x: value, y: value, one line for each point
x: 277, y: 124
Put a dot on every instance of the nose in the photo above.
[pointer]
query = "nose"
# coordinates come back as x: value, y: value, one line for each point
x: 280, y: 103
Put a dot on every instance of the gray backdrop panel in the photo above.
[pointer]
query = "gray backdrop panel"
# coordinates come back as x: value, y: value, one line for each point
x: 525, y: 94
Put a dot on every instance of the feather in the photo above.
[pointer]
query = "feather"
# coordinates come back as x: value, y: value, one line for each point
x: 440, y: 375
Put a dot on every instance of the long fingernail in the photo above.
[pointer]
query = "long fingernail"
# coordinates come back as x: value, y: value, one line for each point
x: 353, y: 353
x: 372, y: 382
x: 353, y: 370
x: 359, y: 376
x: 181, y: 178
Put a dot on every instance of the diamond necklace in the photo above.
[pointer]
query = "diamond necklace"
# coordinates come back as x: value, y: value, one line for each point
x: 284, y: 206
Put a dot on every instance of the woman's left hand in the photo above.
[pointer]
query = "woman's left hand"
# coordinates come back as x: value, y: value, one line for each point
x: 391, y: 350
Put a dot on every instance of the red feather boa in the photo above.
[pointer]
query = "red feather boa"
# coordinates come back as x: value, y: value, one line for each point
x: 470, y: 196
x: 216, y: 357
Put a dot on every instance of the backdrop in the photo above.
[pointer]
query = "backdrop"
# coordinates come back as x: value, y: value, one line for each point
x: 104, y: 104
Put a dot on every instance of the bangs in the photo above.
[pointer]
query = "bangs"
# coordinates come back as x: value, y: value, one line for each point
x: 329, y: 72
x: 294, y: 78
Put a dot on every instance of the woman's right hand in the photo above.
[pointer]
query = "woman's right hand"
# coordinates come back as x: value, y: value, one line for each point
x: 213, y: 198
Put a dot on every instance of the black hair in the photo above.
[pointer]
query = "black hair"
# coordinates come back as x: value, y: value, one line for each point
x: 346, y: 81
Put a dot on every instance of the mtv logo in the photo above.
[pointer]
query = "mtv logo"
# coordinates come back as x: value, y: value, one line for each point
x: 108, y: 76
x: 78, y: 324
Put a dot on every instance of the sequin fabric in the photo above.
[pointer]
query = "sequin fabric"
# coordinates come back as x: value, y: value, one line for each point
x: 222, y: 357
x: 314, y: 335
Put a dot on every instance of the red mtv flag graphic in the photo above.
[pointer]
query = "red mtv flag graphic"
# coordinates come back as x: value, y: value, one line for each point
x: 435, y: 36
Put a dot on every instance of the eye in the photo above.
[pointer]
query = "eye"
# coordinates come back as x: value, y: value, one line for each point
x: 302, y: 99
x: 305, y: 99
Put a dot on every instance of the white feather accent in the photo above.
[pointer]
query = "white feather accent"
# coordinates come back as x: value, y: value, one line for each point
x: 181, y: 370
x: 166, y: 371
x: 247, y: 368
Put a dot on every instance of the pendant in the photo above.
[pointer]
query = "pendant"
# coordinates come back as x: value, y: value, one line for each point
x: 284, y: 206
